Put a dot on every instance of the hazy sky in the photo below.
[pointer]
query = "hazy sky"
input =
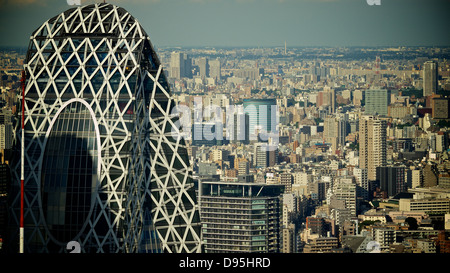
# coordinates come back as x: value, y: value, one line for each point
x: 257, y: 22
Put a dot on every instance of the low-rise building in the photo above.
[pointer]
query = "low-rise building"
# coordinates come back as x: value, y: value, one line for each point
x: 430, y: 206
x: 321, y: 245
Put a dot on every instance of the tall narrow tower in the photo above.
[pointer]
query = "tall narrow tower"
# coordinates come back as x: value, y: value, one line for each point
x: 104, y: 161
x: 372, y: 144
x: 430, y: 78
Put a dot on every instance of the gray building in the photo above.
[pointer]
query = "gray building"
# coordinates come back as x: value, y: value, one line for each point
x: 392, y: 179
x: 265, y: 155
x: 377, y: 101
x: 203, y: 66
x: 430, y: 78
x: 180, y: 65
x: 240, y: 217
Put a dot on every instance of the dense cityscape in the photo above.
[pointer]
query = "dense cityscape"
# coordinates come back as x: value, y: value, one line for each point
x: 359, y: 162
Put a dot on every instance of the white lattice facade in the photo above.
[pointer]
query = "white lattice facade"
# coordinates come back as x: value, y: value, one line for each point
x: 103, y: 165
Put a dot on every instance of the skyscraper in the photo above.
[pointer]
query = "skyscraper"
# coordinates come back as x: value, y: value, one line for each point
x: 180, y: 65
x: 372, y: 144
x: 430, y: 78
x: 377, y: 102
x: 265, y: 155
x: 215, y: 70
x: 240, y: 132
x: 104, y: 162
x: 241, y: 217
x: 203, y: 66
x: 263, y: 117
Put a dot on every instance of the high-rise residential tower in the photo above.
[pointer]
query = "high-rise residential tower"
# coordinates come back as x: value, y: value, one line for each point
x: 430, y: 78
x: 104, y: 163
x: 362, y: 182
x: 372, y: 144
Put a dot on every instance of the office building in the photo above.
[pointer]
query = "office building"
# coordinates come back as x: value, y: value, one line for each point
x: 427, y: 205
x: 251, y: 74
x: 241, y: 217
x: 377, y: 102
x: 335, y: 130
x: 263, y: 118
x: 430, y: 78
x: 203, y: 66
x: 440, y: 108
x: 372, y: 144
x: 265, y: 155
x: 215, y: 69
x: 99, y: 167
x: 392, y: 180
x: 241, y: 132
x: 180, y: 65
x: 6, y: 129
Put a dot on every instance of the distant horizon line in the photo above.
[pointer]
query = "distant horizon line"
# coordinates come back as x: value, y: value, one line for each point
x: 275, y: 46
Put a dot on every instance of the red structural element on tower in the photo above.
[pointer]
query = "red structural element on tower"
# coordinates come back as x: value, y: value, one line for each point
x: 377, y: 65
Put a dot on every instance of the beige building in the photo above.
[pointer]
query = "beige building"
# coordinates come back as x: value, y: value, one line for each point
x: 426, y: 245
x: 288, y: 241
x: 372, y: 144
x: 373, y: 215
x: 400, y: 111
x: 321, y: 245
x: 426, y: 205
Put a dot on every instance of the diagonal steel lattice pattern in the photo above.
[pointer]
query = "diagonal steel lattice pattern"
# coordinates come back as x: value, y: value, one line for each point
x: 96, y: 62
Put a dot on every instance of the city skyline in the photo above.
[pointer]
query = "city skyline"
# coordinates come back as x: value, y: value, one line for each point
x: 130, y: 146
x: 259, y: 22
